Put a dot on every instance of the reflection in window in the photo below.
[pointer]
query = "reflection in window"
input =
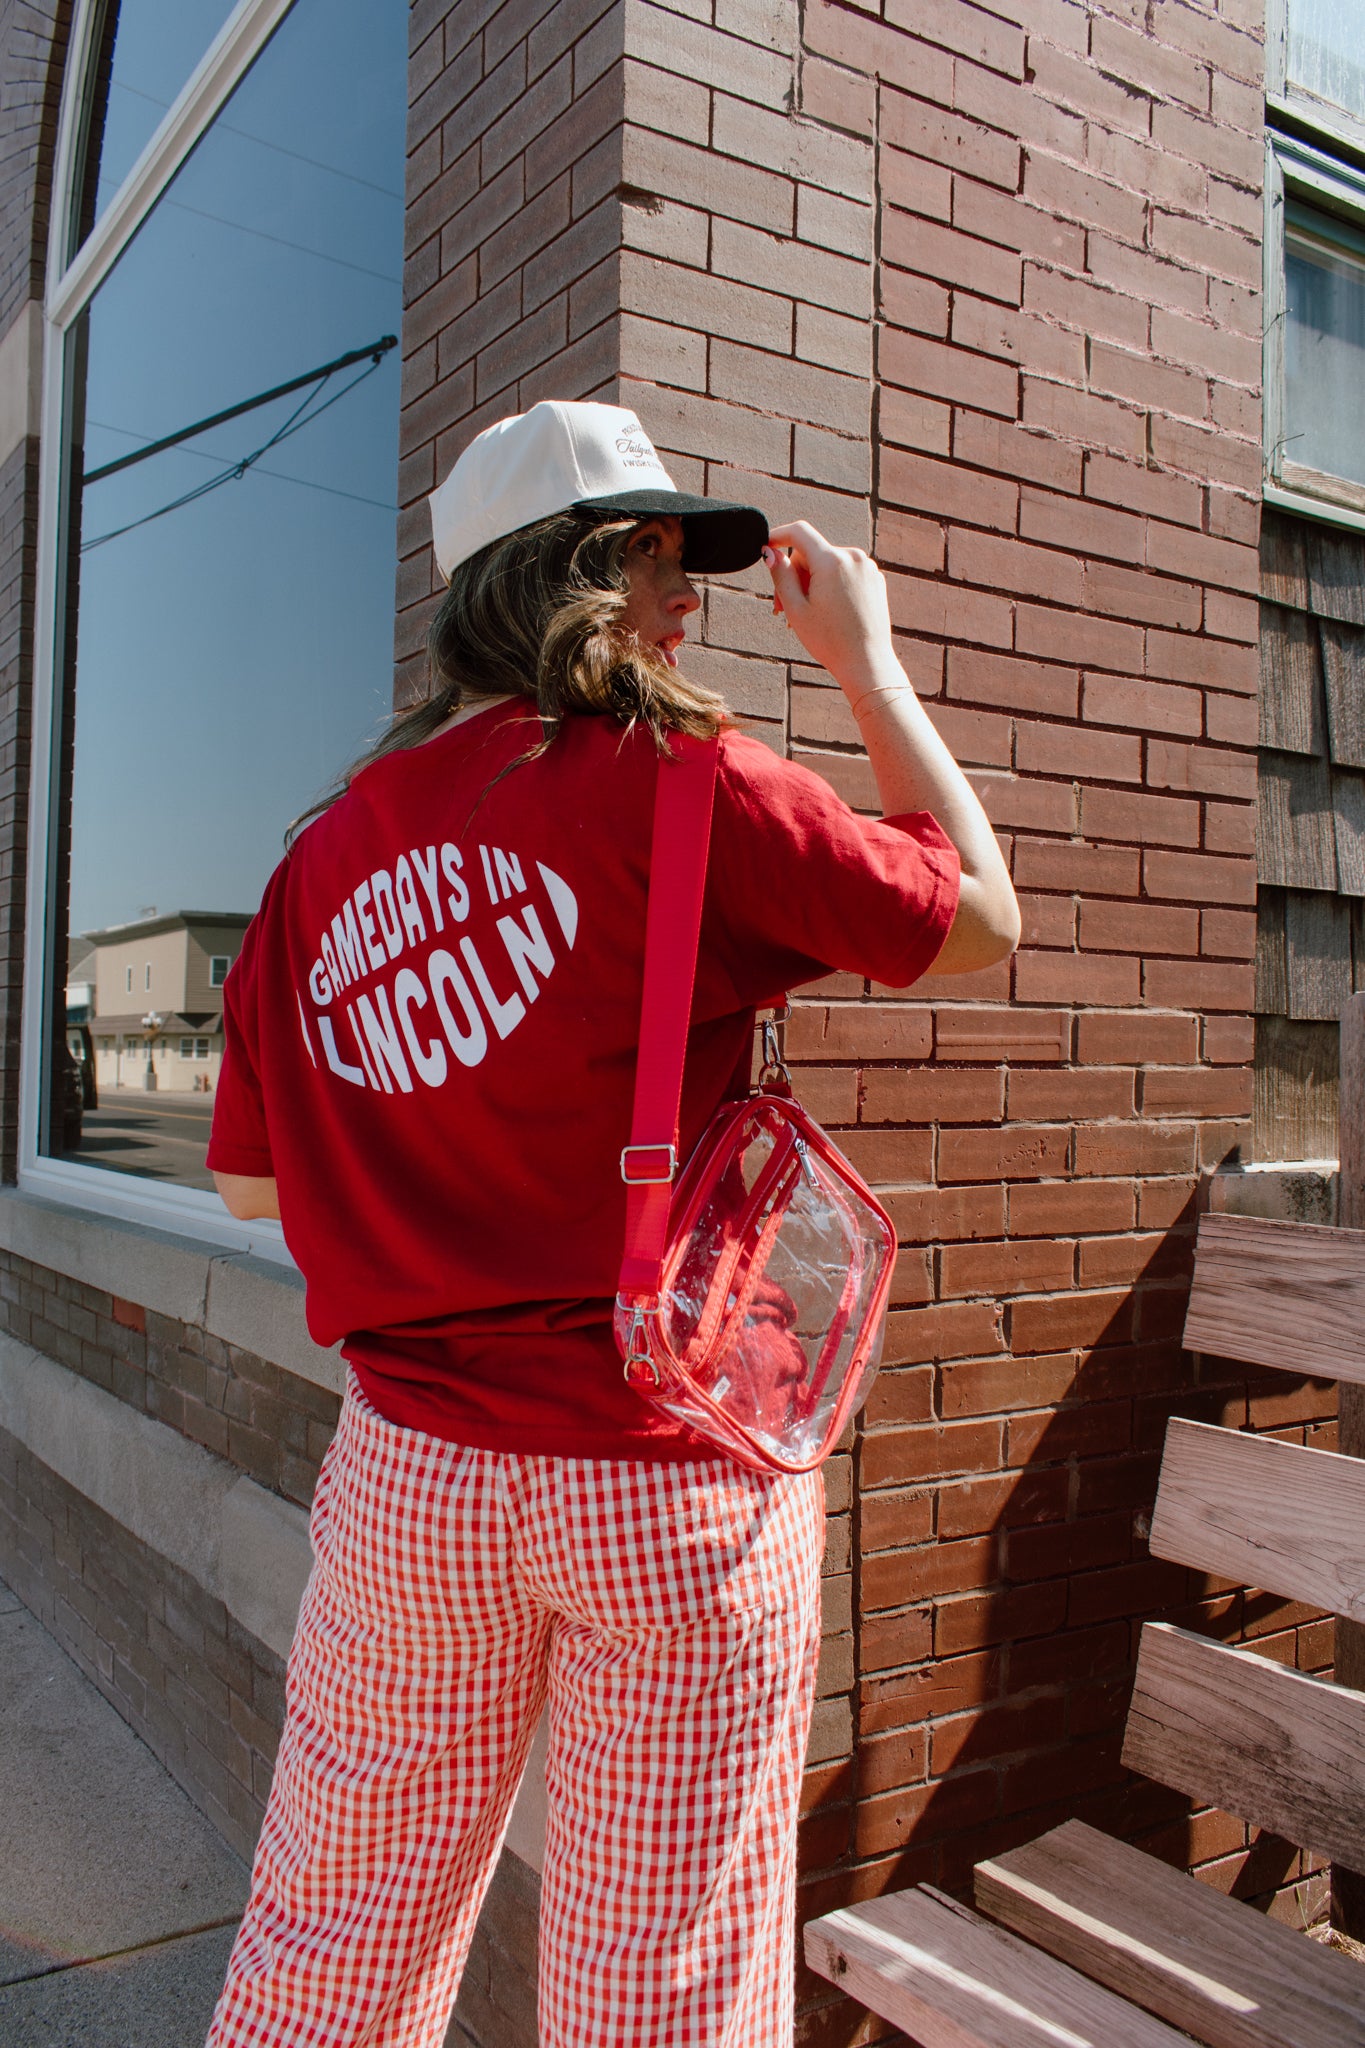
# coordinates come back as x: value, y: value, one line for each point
x: 1324, y: 353
x: 229, y: 637
x: 1326, y: 53
x: 145, y: 53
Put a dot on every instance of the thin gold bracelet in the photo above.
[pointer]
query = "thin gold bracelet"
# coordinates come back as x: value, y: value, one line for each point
x: 883, y: 690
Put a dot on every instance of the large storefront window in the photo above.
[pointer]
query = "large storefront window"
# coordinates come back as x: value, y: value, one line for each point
x: 223, y: 586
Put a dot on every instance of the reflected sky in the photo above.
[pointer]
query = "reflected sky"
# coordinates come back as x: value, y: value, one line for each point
x: 1324, y: 346
x: 235, y: 653
x: 155, y: 50
x: 1327, y: 51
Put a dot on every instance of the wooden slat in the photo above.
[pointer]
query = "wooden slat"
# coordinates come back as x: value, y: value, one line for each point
x: 1291, y: 696
x: 1274, y: 1515
x: 1272, y: 1745
x: 1343, y: 661
x: 1317, y: 932
x: 1336, y: 575
x: 1272, y: 971
x: 1284, y: 568
x: 1358, y: 947
x: 1348, y: 816
x: 1290, y: 1295
x: 1224, y: 1972
x: 1295, y: 836
x: 1294, y: 1109
x: 953, y: 1980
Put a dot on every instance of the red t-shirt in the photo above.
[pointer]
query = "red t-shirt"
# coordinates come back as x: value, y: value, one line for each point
x: 431, y: 1034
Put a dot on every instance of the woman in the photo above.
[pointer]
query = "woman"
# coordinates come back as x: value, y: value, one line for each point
x: 431, y: 1049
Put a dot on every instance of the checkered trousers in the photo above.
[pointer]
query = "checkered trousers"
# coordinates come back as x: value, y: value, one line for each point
x: 669, y: 1614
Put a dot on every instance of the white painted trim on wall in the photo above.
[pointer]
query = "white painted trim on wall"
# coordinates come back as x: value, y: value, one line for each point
x: 244, y: 1545
x: 233, y: 1295
x: 240, y: 1542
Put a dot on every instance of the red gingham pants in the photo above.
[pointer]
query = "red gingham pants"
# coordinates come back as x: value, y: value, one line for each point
x: 671, y: 1615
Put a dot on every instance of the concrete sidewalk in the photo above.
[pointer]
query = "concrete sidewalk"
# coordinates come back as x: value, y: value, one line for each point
x: 118, y: 1900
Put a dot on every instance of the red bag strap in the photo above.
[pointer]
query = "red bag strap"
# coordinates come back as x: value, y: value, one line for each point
x: 677, y: 884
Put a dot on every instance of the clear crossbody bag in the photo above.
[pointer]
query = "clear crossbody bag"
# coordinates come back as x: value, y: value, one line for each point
x: 753, y: 1288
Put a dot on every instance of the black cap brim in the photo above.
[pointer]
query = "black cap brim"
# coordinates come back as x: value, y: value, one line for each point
x: 718, y: 537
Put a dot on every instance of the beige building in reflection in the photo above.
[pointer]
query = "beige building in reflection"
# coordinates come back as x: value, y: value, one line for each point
x: 171, y: 968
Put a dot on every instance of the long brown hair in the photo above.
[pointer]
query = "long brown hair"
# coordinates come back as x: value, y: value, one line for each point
x: 538, y: 614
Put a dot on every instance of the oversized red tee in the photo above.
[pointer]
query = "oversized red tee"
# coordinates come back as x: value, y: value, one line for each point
x: 431, y: 1034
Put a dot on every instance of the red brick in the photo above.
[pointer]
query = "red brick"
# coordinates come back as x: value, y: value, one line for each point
x: 1030, y: 1267
x: 865, y: 45
x: 981, y: 1618
x: 1076, y: 750
x: 1140, y: 927
x: 1228, y: 563
x: 1147, y: 820
x: 1070, y: 522
x: 994, y: 1386
x: 1230, y: 828
x: 1228, y: 934
x: 1229, y: 1040
x: 924, y: 1813
x: 897, y: 1759
x: 1076, y: 1546
x: 838, y: 99
x: 1026, y: 686
x: 902, y: 1578
x: 1006, y: 447
x: 978, y: 739
x: 1089, y: 307
x: 1012, y: 565
x: 1013, y: 1153
x: 943, y: 1687
x: 1123, y: 1261
x: 1135, y: 1148
x: 929, y: 249
x: 859, y: 1031
x: 944, y: 138
x: 1150, y: 707
x: 1143, y: 487
x: 1017, y: 1725
x: 1070, y: 1320
x: 1196, y: 1091
x: 1075, y: 82
x: 1211, y: 985
x: 890, y: 1520
x: 1154, y: 278
x: 935, y: 1095
x: 1068, y: 637
x: 1066, y: 1659
x: 1136, y: 594
x: 1007, y: 218
x: 939, y: 609
x: 1211, y: 143
x: 906, y: 542
x: 1016, y: 336
x: 129, y: 1315
x: 1232, y: 617
x: 909, y: 422
x: 961, y: 1329
x: 1082, y: 417
x: 890, y: 1158
x: 1083, y: 1429
x: 929, y: 1450
x: 1199, y: 878
x: 1148, y: 63
x: 887, y: 1641
x: 981, y: 1034
x: 931, y: 1215
x: 1057, y: 864
x: 1211, y: 453
x: 1005, y: 1500
x: 1207, y: 347
x: 947, y: 490
x: 830, y: 1094
x: 899, y: 1395
x: 1047, y: 921
x: 1071, y: 1094
x: 1051, y: 1208
x: 1076, y: 978
x: 918, y: 364
x: 1077, y: 195
x: 1208, y: 247
x: 914, y: 302
x: 969, y: 31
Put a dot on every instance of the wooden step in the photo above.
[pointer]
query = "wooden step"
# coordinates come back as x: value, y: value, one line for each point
x: 1274, y: 1746
x: 953, y: 1980
x: 1207, y: 1963
x: 1290, y: 1295
x: 1274, y: 1515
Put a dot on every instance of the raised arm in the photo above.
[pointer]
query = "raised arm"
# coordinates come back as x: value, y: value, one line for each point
x: 835, y: 600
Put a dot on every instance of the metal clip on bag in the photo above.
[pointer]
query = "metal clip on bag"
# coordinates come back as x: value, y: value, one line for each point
x: 753, y: 1289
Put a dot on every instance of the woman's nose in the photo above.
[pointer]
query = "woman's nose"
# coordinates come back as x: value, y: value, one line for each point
x: 685, y: 598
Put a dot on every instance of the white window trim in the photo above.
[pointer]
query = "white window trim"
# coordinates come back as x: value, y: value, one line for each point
x: 1285, y: 102
x: 189, y: 1212
x: 1295, y: 169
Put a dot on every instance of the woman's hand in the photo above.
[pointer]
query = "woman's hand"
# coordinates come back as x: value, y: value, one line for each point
x: 834, y: 600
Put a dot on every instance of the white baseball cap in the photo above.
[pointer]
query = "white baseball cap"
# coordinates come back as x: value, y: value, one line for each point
x: 563, y: 457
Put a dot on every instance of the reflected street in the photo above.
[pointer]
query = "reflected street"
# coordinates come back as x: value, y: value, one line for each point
x: 159, y: 1138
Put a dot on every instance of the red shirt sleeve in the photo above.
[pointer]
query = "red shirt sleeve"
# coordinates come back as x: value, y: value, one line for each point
x: 239, y: 1142
x: 799, y: 884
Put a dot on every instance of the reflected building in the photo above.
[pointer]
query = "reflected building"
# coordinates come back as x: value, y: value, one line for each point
x: 171, y: 968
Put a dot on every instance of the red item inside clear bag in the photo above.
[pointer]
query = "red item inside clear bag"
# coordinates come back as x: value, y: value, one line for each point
x: 766, y: 1329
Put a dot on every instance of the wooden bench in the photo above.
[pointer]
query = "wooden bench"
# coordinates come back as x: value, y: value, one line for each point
x: 1085, y: 1942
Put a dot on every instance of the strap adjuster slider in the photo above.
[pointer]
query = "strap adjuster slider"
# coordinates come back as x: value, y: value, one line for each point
x: 641, y: 1164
